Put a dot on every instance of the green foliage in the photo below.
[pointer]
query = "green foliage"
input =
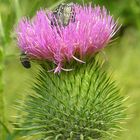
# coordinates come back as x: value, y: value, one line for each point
x: 128, y: 11
x: 78, y: 105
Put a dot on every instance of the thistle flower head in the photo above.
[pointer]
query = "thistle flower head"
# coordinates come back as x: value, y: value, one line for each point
x: 84, y: 104
x: 45, y: 38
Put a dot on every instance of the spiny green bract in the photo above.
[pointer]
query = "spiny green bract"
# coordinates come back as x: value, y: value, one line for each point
x: 83, y: 104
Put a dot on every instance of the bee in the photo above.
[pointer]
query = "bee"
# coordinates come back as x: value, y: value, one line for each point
x: 25, y: 60
x: 63, y: 14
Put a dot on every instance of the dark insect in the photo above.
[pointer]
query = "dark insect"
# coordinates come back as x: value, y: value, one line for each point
x: 63, y: 14
x: 25, y: 60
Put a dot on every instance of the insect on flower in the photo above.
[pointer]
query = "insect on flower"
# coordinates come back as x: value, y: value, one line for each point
x: 63, y: 14
x: 71, y: 32
x: 25, y: 60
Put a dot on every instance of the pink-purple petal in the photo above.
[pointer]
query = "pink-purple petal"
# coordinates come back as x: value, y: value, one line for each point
x: 92, y: 30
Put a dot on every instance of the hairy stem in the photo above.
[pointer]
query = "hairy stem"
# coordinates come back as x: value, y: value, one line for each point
x: 2, y: 104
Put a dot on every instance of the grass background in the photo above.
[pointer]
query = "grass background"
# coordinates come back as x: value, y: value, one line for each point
x: 123, y: 57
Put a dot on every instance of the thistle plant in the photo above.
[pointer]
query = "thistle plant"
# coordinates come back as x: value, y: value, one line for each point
x: 73, y: 97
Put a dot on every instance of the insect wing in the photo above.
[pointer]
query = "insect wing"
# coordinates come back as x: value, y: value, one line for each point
x: 63, y: 14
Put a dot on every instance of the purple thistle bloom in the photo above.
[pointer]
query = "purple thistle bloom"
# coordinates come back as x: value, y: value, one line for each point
x: 91, y: 31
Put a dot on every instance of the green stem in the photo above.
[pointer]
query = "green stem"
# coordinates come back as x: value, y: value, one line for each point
x: 2, y: 103
x: 5, y: 128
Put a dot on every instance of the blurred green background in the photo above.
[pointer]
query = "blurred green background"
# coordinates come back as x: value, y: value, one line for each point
x: 123, y: 59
